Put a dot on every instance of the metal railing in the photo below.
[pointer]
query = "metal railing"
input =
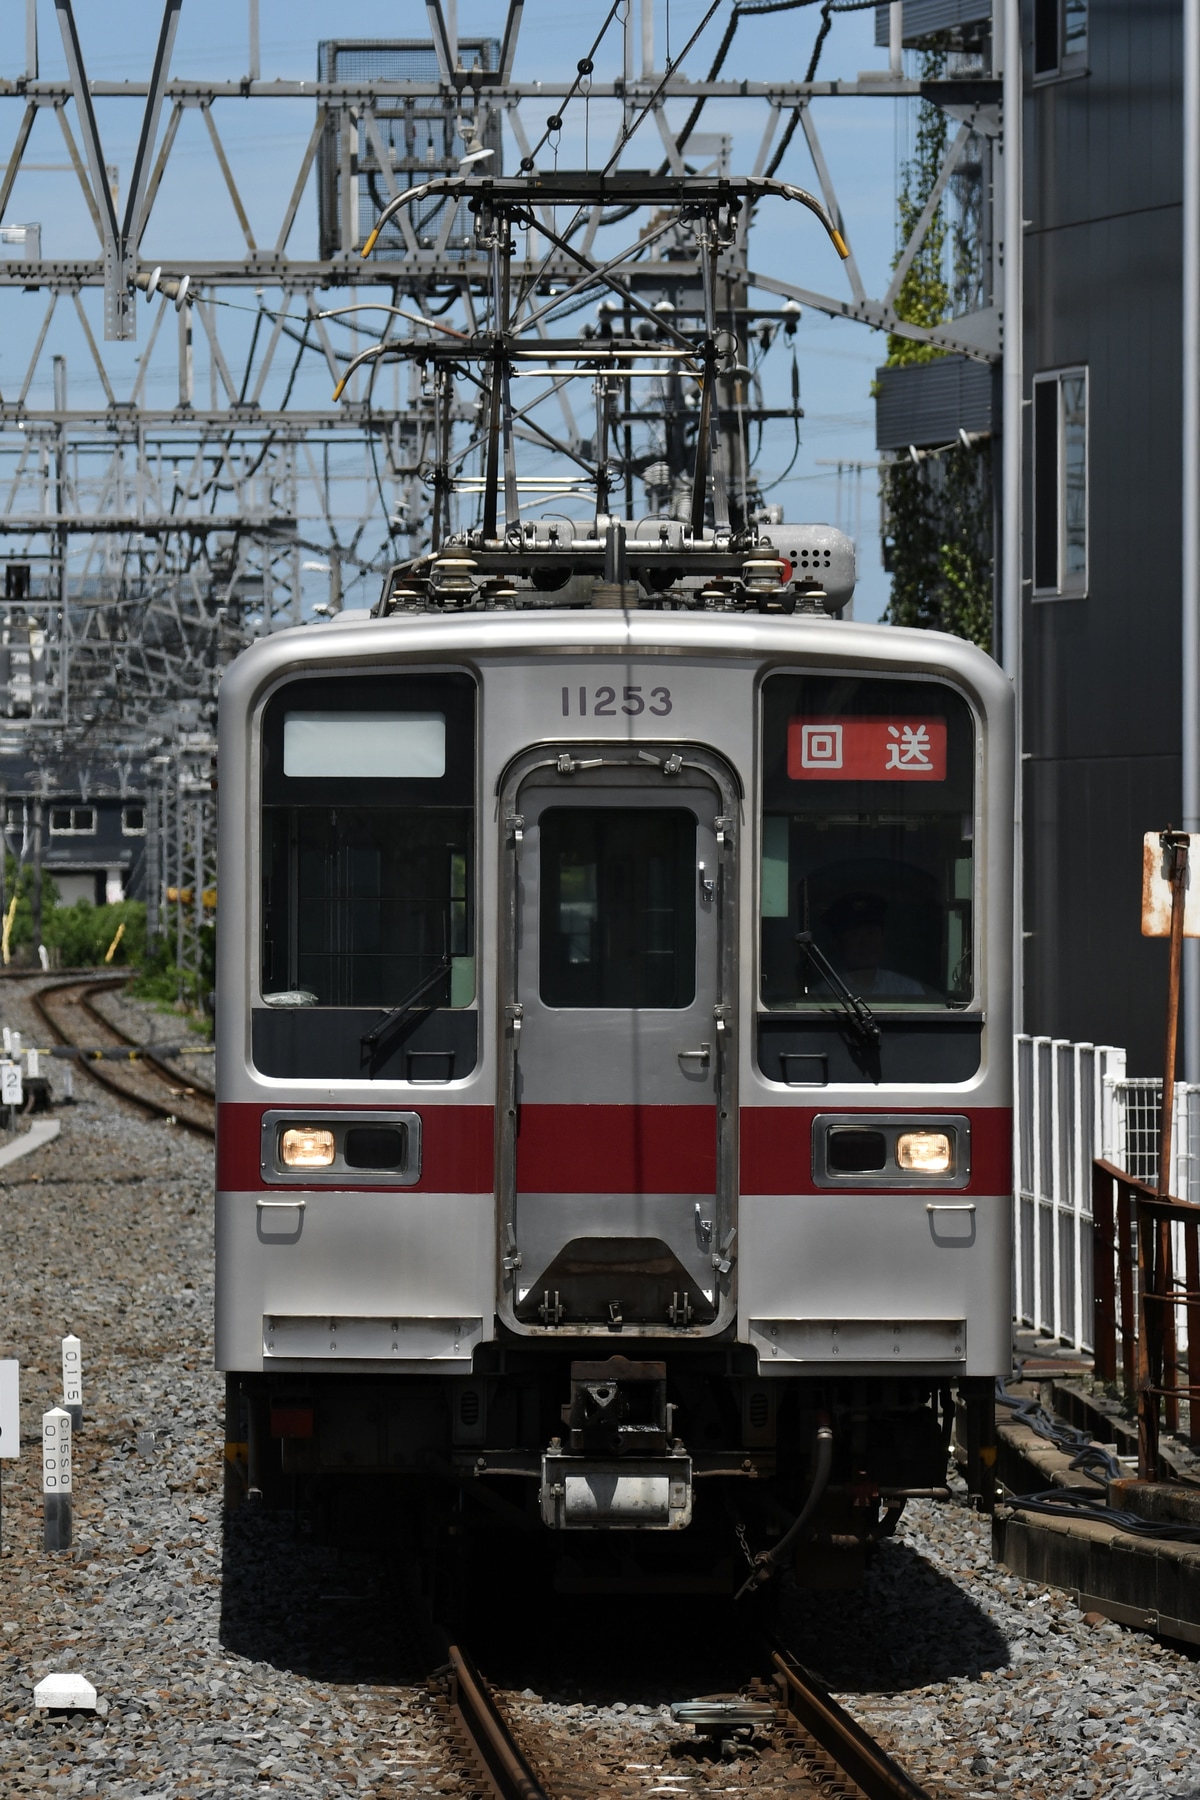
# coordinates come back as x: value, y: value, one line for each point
x: 1147, y: 1293
x: 1066, y: 1110
x: 1073, y: 1104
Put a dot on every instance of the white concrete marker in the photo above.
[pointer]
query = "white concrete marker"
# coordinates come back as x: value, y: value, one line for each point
x: 33, y: 1065
x: 72, y: 1371
x: 12, y: 1091
x: 56, y: 1478
x: 10, y: 1407
x: 10, y: 1412
x: 65, y: 1692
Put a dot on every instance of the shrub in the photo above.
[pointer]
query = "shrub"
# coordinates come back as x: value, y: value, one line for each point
x: 83, y: 933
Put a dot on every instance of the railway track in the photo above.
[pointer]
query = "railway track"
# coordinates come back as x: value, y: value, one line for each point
x: 832, y: 1750
x: 484, y: 1738
x: 833, y: 1743
x: 832, y: 1753
x: 65, y: 1006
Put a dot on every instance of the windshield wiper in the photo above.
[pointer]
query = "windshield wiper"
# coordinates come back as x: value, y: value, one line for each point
x: 863, y: 1022
x: 407, y: 1006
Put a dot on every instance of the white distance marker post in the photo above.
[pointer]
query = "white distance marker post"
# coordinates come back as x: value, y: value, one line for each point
x: 10, y: 1413
x: 12, y: 1091
x: 72, y: 1371
x: 56, y: 1478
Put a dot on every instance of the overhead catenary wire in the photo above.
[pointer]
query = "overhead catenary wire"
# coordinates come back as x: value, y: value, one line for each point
x: 583, y: 69
x: 644, y: 112
x: 747, y: 9
x: 384, y: 348
x: 740, y: 12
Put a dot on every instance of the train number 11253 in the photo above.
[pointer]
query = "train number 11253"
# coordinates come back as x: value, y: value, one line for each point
x: 610, y: 702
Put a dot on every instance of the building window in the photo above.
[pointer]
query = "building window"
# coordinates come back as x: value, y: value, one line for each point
x: 1059, y: 37
x: 1060, y: 477
x: 72, y: 821
x: 133, y: 821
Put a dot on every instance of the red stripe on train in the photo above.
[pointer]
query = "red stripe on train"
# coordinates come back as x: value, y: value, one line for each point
x: 616, y: 1150
x: 776, y: 1147
x: 456, y: 1147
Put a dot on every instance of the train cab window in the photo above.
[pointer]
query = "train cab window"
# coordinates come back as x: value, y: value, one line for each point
x: 618, y: 907
x: 867, y: 843
x: 367, y: 875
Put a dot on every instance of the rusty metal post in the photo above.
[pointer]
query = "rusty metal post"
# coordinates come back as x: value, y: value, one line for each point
x: 1127, y: 1268
x: 1167, y: 1343
x: 1148, y: 1362
x: 1104, y: 1274
x: 1157, y: 1323
x: 1175, y: 846
x: 1191, y: 1282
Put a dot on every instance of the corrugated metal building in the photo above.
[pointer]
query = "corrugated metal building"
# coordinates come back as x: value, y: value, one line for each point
x: 1101, y: 609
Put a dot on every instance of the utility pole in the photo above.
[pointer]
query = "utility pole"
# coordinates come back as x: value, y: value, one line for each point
x: 1013, y: 383
x: 38, y: 808
x: 1190, y: 467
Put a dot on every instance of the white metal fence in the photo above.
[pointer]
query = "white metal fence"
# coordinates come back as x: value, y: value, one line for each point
x: 1073, y: 1102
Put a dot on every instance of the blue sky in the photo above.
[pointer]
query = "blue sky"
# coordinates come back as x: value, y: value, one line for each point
x: 862, y: 138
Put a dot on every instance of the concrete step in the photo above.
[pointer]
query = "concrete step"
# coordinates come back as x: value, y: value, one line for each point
x: 1150, y: 1583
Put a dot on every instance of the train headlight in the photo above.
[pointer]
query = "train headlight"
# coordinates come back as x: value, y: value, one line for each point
x: 925, y: 1152
x: 306, y: 1147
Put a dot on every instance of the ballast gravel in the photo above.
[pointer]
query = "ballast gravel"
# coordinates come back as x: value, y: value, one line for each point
x: 979, y: 1683
x: 982, y: 1683
x: 238, y: 1658
x: 230, y: 1661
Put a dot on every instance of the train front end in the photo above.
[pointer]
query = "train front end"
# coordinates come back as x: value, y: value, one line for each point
x: 615, y: 1072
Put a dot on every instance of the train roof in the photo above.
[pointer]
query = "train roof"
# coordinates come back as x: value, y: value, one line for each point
x: 360, y: 640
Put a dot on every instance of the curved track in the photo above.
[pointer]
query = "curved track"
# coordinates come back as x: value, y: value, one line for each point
x: 64, y: 1006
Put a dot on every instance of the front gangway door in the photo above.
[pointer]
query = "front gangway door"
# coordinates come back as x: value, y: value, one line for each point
x: 618, y: 1113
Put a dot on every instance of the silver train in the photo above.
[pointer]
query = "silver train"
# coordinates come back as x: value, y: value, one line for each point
x: 614, y: 1057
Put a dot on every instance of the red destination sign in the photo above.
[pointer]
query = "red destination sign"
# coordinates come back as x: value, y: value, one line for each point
x: 899, y: 749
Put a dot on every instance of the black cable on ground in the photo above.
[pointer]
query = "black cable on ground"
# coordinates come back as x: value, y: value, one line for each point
x: 1090, y: 1458
x: 1084, y: 1503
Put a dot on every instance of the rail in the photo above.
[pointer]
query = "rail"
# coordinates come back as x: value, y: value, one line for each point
x: 201, y: 1121
x: 838, y: 1738
x: 490, y: 1744
x: 1140, y: 1239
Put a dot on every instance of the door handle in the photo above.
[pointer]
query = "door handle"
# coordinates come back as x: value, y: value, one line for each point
x: 703, y: 1054
x: 299, y: 1203
x: 961, y: 1206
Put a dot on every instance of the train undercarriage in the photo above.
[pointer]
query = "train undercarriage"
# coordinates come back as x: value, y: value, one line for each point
x: 679, y: 1473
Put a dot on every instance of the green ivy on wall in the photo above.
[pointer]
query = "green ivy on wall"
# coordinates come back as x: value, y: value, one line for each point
x: 938, y: 509
x: 938, y: 546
